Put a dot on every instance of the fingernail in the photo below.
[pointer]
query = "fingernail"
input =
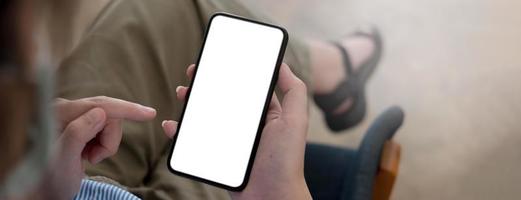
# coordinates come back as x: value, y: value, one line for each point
x: 177, y: 89
x: 163, y: 123
x: 147, y: 109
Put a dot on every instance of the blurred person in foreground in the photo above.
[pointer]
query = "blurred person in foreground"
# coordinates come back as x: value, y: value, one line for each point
x: 138, y: 51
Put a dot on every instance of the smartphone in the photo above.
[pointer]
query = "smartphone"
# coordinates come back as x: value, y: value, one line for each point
x: 226, y: 104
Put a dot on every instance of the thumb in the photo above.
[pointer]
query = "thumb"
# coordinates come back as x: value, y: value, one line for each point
x: 294, y: 103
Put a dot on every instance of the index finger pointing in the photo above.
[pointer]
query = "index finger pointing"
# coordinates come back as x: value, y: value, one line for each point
x: 121, y: 109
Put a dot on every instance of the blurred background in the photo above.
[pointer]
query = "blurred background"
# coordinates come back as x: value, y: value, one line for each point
x: 453, y: 65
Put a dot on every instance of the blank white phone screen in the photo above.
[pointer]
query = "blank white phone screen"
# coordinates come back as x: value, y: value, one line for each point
x: 222, y: 116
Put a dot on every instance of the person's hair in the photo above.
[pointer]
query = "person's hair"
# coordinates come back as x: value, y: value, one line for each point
x: 5, y: 4
x: 6, y: 42
x: 14, y: 40
x: 15, y: 91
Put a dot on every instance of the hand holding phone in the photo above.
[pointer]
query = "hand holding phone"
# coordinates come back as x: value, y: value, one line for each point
x: 278, y: 170
x: 219, y: 130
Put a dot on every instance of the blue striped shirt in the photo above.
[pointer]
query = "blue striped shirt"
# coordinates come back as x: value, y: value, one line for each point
x: 97, y: 190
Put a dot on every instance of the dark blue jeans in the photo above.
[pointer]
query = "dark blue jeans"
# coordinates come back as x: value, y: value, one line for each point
x: 327, y: 171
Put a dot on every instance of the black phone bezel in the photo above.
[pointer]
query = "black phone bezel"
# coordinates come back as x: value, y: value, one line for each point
x: 271, y: 89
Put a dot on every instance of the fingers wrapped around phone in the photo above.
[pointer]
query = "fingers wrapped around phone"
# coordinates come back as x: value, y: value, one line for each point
x: 182, y: 90
x: 190, y: 71
x: 181, y: 93
x: 169, y: 127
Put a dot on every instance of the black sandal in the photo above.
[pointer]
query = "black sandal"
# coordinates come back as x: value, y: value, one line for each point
x: 353, y: 87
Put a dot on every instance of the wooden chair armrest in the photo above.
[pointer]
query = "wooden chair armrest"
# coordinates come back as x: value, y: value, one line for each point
x: 388, y: 171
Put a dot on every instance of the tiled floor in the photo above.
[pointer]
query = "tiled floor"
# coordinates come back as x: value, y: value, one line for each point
x: 455, y: 68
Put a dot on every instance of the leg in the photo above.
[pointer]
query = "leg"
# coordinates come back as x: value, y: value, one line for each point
x: 340, y: 71
x: 138, y: 51
x: 141, y: 57
x: 326, y: 169
x: 159, y: 187
x: 327, y: 70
